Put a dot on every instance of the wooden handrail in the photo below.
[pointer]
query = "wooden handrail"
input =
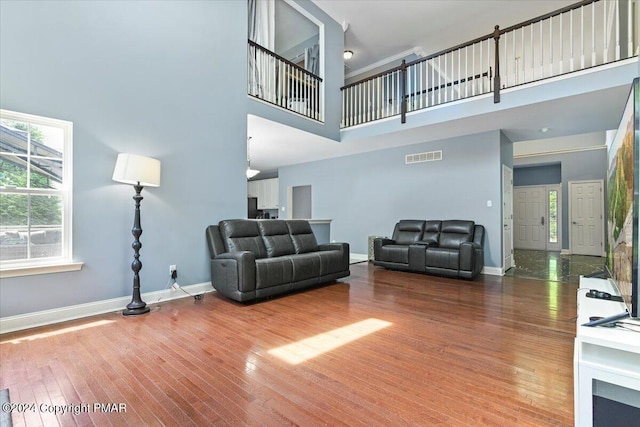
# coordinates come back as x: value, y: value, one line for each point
x: 286, y: 61
x: 375, y: 76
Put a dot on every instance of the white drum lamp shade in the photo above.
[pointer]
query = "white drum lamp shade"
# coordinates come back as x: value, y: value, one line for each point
x: 137, y: 170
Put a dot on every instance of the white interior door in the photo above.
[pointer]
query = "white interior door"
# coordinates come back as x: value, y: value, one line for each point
x: 507, y: 219
x: 530, y: 217
x: 586, y: 215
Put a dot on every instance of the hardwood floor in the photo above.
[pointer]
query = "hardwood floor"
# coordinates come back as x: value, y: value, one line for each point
x: 383, y: 348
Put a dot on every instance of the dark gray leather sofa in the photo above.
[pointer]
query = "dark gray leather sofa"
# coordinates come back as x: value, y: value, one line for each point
x: 252, y: 259
x: 447, y: 248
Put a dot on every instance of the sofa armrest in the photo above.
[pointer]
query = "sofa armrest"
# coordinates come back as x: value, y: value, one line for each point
x: 378, y: 243
x: 333, y: 247
x: 234, y: 272
x: 341, y: 246
x: 471, y: 257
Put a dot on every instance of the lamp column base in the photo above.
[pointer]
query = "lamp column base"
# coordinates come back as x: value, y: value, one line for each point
x: 133, y: 311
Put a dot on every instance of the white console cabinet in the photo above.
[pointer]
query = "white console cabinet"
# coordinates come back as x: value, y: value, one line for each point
x: 603, y: 356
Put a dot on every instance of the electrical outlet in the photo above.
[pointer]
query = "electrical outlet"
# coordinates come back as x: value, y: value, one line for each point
x: 172, y: 268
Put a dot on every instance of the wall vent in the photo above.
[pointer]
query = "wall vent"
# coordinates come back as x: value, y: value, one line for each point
x: 429, y: 156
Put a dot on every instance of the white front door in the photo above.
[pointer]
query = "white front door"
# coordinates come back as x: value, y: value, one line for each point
x: 507, y: 219
x: 586, y: 215
x: 538, y: 213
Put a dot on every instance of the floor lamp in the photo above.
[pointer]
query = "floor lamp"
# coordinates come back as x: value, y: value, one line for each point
x: 140, y: 172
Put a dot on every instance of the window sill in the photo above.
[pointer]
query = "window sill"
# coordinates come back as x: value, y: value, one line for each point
x: 32, y: 270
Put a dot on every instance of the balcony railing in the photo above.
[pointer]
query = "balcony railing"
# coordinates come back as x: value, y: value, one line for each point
x: 587, y: 34
x: 277, y: 81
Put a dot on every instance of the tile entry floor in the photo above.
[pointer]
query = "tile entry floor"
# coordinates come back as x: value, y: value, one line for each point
x: 553, y: 266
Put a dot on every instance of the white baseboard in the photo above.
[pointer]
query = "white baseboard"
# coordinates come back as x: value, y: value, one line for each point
x: 47, y: 317
x: 492, y: 271
x: 358, y: 258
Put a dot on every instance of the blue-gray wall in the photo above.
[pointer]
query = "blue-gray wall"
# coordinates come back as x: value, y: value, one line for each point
x: 161, y: 79
x: 366, y: 194
x: 537, y: 175
x: 575, y: 166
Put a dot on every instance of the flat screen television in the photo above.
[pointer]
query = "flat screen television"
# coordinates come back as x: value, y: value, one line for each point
x: 623, y: 204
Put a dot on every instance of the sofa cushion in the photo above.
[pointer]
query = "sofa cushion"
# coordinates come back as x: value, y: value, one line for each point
x: 275, y: 235
x: 302, y: 236
x: 242, y: 235
x: 395, y: 253
x: 305, y: 266
x: 273, y: 272
x: 443, y: 258
x: 455, y: 232
x: 408, y: 231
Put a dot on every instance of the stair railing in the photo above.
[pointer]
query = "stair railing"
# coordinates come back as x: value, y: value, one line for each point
x: 273, y: 79
x: 587, y: 34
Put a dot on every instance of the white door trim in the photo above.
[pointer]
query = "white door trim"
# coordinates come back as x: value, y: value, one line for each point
x: 508, y: 260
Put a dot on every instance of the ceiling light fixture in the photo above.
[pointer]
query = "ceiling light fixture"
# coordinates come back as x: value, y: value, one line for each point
x: 347, y: 54
x: 250, y: 172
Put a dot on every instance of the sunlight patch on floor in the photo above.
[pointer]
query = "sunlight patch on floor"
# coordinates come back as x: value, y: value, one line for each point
x: 57, y: 332
x: 308, y: 348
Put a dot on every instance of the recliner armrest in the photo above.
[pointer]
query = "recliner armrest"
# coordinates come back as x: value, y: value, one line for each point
x: 471, y: 256
x: 338, y: 246
x: 378, y: 243
x: 333, y: 246
x: 234, y: 270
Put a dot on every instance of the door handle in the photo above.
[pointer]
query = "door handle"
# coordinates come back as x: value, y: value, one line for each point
x: 542, y: 221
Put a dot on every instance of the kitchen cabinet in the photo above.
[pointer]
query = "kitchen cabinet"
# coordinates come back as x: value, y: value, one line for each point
x: 266, y: 191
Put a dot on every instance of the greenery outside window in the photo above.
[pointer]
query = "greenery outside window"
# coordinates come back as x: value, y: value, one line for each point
x: 35, y: 191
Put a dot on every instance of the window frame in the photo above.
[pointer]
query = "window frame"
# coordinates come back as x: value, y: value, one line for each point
x: 64, y: 262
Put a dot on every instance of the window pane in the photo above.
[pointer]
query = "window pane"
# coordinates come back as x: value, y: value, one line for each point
x: 13, y: 226
x: 37, y: 235
x: 12, y: 139
x: 46, y: 141
x: 46, y: 211
x: 46, y: 173
x: 28, y: 138
x: 553, y: 216
x: 46, y: 226
x: 13, y: 210
x: 13, y: 171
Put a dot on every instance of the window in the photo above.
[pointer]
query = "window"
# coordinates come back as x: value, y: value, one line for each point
x: 553, y: 216
x: 35, y: 191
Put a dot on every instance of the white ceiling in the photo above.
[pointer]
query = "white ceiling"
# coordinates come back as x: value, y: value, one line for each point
x: 383, y: 28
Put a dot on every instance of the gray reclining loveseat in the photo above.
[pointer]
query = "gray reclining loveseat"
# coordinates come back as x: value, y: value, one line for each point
x: 446, y: 248
x: 253, y: 259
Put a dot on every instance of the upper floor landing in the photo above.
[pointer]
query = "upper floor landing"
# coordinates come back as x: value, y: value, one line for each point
x: 564, y: 72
